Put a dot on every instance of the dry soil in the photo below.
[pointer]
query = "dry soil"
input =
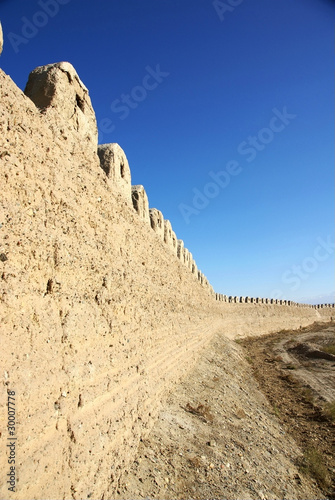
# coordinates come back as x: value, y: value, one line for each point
x: 238, y: 428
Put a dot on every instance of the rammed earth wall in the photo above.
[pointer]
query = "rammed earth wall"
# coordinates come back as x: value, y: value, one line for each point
x: 99, y: 317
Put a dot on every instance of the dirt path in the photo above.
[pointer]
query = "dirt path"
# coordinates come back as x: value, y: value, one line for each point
x: 300, y: 386
x: 219, y: 437
x: 302, y: 352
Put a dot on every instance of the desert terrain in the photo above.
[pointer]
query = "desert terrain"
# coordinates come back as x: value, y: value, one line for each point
x: 251, y: 421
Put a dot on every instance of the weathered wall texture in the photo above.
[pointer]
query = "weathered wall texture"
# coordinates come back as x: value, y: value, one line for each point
x: 170, y: 237
x: 114, y: 163
x: 157, y: 222
x: 254, y: 320
x: 97, y: 320
x: 140, y: 202
x: 59, y: 93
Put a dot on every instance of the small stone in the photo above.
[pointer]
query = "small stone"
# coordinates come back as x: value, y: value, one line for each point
x: 212, y: 443
x: 3, y: 257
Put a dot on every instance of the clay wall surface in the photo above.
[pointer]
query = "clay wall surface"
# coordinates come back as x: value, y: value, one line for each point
x: 141, y: 202
x: 97, y: 320
x: 115, y: 164
x: 170, y: 237
x: 157, y: 222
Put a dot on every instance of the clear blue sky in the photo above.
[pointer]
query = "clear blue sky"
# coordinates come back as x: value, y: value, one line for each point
x: 194, y: 87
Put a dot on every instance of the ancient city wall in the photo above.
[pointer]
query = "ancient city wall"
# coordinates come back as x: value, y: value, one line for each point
x: 252, y: 300
x: 97, y: 320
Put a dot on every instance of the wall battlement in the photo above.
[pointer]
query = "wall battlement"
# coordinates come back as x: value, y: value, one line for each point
x: 251, y: 300
x: 56, y: 89
x: 46, y: 87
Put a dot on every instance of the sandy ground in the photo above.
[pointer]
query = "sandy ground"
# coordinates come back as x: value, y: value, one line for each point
x: 220, y: 435
x: 300, y: 384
